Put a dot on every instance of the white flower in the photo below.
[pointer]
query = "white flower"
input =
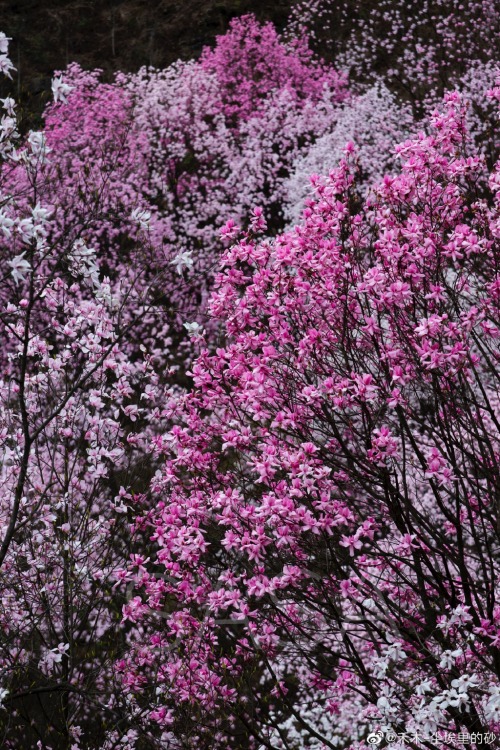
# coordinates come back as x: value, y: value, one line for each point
x: 9, y: 104
x: 182, y: 260
x: 36, y: 139
x: 8, y: 132
x: 3, y: 694
x: 40, y: 214
x: 380, y: 668
x: 59, y: 652
x: 26, y: 230
x: 492, y: 708
x: 424, y: 687
x: 20, y: 267
x: 395, y: 652
x: 6, y: 224
x: 60, y: 90
x: 82, y: 262
x: 142, y: 217
x: 193, y: 329
x: 451, y: 698
x: 449, y: 657
x: 104, y: 293
x: 458, y: 700
x: 6, y: 66
x: 459, y: 615
x: 384, y: 703
x: 4, y: 43
x: 464, y: 682
x: 37, y: 150
x: 385, y: 707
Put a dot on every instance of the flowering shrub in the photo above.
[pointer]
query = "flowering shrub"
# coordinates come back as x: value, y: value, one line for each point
x: 251, y: 64
x: 374, y: 122
x: 173, y: 145
x: 73, y: 392
x: 325, y: 523
x: 416, y: 47
x: 102, y: 214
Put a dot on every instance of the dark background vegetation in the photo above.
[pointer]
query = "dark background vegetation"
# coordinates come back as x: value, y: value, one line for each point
x: 114, y: 35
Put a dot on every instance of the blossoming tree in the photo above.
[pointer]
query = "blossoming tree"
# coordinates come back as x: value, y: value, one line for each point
x: 72, y: 394
x: 326, y: 524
